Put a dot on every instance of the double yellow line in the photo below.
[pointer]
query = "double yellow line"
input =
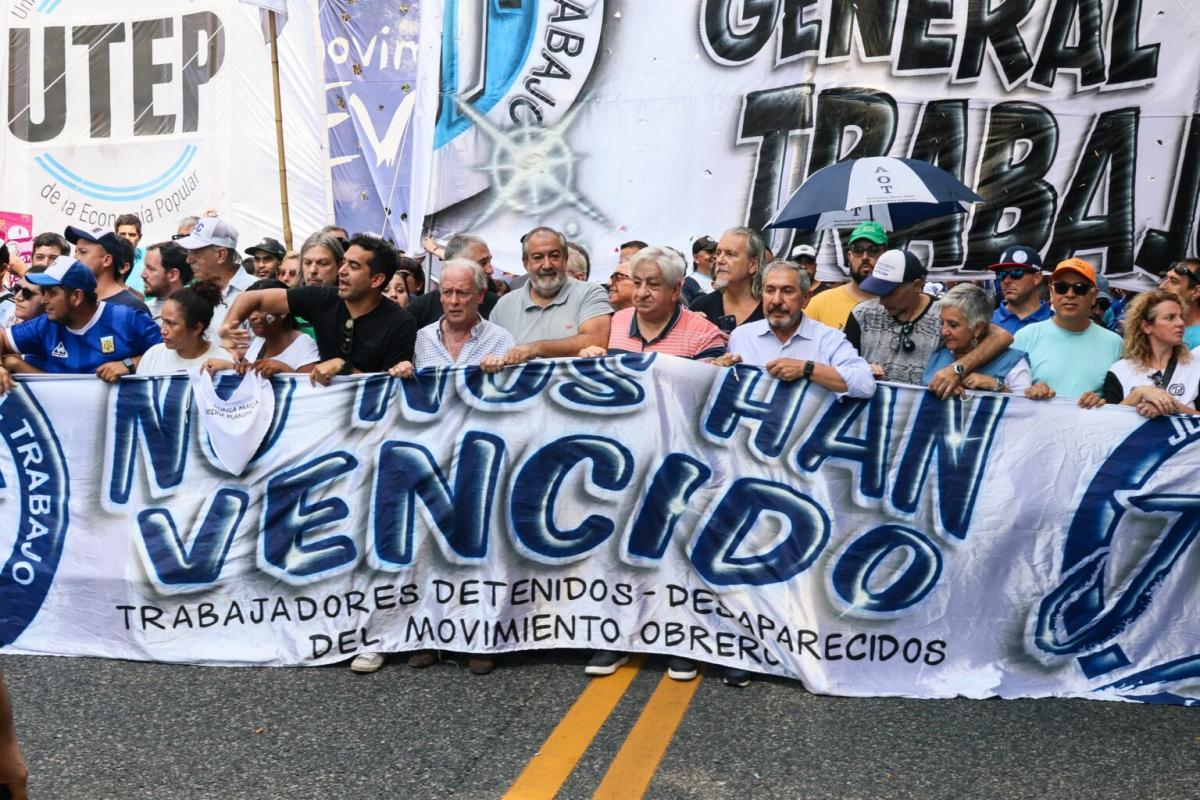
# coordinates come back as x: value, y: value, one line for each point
x: 636, y: 762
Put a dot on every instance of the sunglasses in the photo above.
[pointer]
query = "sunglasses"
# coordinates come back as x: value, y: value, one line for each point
x: 1179, y: 268
x: 25, y: 293
x: 904, y: 340
x: 348, y: 337
x: 727, y: 323
x: 1080, y: 289
x: 1013, y: 274
x: 873, y: 250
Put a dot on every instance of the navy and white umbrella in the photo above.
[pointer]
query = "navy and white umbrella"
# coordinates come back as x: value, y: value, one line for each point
x: 895, y: 192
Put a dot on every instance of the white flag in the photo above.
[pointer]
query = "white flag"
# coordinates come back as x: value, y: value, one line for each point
x: 267, y: 6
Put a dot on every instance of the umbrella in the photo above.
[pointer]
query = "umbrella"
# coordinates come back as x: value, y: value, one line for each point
x: 895, y: 192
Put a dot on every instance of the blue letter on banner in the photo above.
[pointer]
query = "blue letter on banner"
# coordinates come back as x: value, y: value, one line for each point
x: 774, y: 415
x: 287, y: 517
x: 166, y: 428
x: 178, y: 565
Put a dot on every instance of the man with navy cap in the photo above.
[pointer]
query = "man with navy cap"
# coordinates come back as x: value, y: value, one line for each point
x: 104, y: 253
x: 212, y: 252
x: 1019, y: 272
x: 79, y: 333
x: 898, y: 330
x: 268, y: 255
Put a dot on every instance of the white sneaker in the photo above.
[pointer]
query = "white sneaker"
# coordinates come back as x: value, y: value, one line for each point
x: 367, y: 663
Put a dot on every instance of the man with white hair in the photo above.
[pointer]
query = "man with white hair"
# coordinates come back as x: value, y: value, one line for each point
x: 656, y: 322
x: 212, y: 252
x: 427, y: 308
x: 793, y: 346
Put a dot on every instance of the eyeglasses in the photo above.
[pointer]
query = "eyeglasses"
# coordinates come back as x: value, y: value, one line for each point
x: 617, y: 277
x: 25, y: 293
x: 1080, y: 289
x: 1013, y: 274
x: 860, y: 251
x: 904, y: 340
x: 1179, y: 268
x: 348, y: 337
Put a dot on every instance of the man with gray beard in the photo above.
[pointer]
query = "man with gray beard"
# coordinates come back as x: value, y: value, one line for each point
x: 553, y: 315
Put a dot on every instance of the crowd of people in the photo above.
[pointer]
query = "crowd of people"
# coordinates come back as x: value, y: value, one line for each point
x: 94, y: 302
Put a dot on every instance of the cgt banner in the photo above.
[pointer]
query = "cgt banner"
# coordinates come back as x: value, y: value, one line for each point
x: 899, y: 546
x: 161, y: 108
x: 1075, y: 120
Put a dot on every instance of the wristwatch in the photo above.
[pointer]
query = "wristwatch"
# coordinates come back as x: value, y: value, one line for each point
x: 808, y: 369
x: 959, y: 371
x: 130, y: 365
x: 347, y: 367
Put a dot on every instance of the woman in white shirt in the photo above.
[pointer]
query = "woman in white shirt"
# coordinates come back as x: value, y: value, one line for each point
x: 1157, y: 373
x: 185, y: 318
x: 277, y: 347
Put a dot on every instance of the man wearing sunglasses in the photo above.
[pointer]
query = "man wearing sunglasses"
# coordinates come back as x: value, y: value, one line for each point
x: 1183, y: 280
x: 867, y: 243
x: 898, y: 331
x: 1068, y: 353
x: 1019, y: 273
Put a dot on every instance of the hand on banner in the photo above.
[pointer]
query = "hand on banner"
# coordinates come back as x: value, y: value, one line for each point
x: 215, y: 365
x: 879, y: 373
x: 1151, y: 402
x: 1093, y: 400
x: 983, y: 383
x: 520, y: 354
x: 110, y: 372
x: 265, y: 367
x: 402, y: 370
x: 943, y: 383
x: 593, y: 352
x: 727, y: 360
x: 6, y: 381
x: 1039, y: 391
x: 326, y: 371
x: 786, y: 369
x: 492, y: 364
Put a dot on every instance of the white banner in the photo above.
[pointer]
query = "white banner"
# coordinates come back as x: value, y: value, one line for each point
x: 661, y: 121
x: 898, y: 546
x: 161, y: 108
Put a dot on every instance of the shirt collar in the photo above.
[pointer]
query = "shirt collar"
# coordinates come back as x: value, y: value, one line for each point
x: 241, y: 281
x: 476, y: 329
x: 634, y: 332
x: 805, y: 330
x: 1042, y: 312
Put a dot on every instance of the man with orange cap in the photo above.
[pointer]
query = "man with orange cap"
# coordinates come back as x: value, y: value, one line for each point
x: 1068, y: 353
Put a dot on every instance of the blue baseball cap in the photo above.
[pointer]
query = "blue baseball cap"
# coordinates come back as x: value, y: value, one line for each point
x: 893, y: 269
x: 66, y: 272
x: 1019, y: 256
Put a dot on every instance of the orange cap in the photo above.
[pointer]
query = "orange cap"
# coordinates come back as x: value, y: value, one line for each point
x: 1078, y: 266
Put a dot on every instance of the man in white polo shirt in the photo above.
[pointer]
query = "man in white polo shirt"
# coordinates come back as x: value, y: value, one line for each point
x: 794, y: 346
x: 212, y: 252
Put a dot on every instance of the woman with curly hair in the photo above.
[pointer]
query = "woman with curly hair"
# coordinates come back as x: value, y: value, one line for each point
x: 1157, y: 373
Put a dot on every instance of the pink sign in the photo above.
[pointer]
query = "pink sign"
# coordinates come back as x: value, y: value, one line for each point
x: 17, y: 229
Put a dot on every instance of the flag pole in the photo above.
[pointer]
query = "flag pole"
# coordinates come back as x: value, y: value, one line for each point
x: 283, y: 191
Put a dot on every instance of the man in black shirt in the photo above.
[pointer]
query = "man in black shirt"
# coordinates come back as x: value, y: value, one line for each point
x: 357, y: 328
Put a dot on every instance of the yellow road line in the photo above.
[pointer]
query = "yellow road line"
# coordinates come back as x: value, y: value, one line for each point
x: 630, y: 772
x: 546, y: 772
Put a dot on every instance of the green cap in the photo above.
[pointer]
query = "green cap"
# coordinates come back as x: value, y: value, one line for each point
x: 871, y: 231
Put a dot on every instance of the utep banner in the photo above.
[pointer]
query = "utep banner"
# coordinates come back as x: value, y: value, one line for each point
x: 162, y: 108
x: 897, y: 546
x: 1075, y: 120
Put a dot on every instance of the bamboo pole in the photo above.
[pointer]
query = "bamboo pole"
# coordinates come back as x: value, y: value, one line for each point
x: 283, y: 190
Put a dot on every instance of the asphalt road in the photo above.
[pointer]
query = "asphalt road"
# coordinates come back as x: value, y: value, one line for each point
x: 100, y: 730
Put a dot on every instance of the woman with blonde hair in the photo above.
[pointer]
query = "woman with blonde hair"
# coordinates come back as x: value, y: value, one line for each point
x: 1157, y: 373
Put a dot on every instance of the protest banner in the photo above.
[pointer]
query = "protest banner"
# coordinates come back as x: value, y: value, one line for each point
x: 1075, y: 120
x: 161, y: 109
x: 991, y: 546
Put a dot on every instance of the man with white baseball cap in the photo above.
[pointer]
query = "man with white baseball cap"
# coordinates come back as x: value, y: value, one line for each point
x: 79, y: 333
x: 898, y: 330
x: 1019, y: 273
x: 212, y: 252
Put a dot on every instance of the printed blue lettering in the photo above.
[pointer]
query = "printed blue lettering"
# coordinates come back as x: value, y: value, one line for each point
x: 178, y: 565
x: 739, y: 399
x: 857, y: 565
x: 962, y: 453
x: 604, y: 385
x: 514, y: 388
x: 161, y: 409
x: 665, y: 500
x: 715, y: 554
x: 833, y: 438
x: 535, y: 492
x: 462, y: 517
x: 288, y: 518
